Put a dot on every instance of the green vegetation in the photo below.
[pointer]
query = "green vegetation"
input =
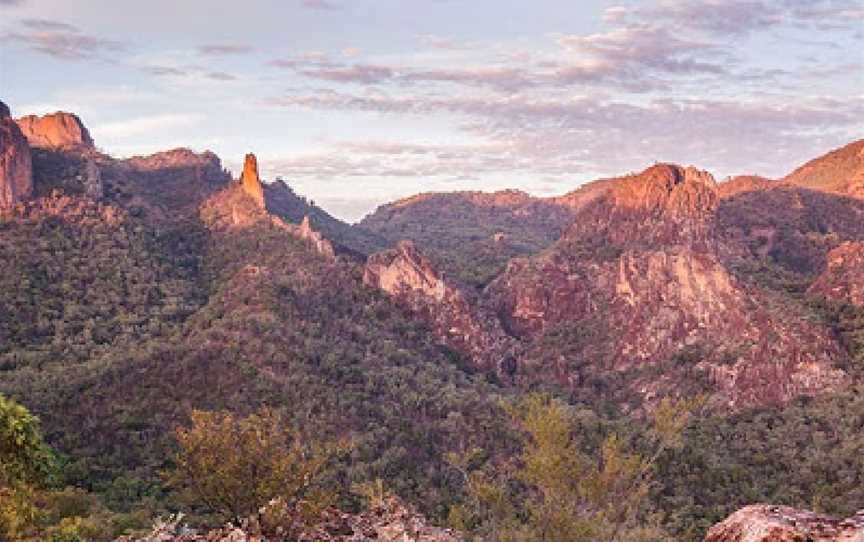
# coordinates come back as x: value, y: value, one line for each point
x: 236, y: 466
x: 562, y: 486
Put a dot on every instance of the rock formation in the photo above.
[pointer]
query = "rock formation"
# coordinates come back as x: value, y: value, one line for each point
x: 391, y: 521
x: 323, y: 246
x: 843, y: 279
x: 638, y: 282
x: 92, y: 179
x: 766, y: 523
x: 16, y: 166
x: 408, y: 276
x: 250, y: 181
x: 57, y: 130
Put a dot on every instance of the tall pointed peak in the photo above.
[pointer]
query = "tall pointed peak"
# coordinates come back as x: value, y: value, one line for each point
x: 250, y: 181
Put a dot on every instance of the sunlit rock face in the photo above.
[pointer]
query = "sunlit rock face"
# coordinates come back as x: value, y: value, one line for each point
x: 59, y: 130
x: 637, y: 286
x: 16, y: 166
x: 766, y: 523
x: 250, y: 180
x: 409, y: 276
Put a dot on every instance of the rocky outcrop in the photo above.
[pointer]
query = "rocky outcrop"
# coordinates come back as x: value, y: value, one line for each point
x: 408, y: 276
x: 92, y: 179
x: 323, y: 246
x: 251, y: 182
x: 843, y: 278
x: 766, y: 523
x: 638, y: 286
x: 391, y: 521
x: 16, y: 166
x: 58, y: 130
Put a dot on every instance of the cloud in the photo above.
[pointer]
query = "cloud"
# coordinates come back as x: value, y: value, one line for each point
x: 320, y: 5
x: 224, y: 49
x: 358, y: 73
x: 558, y: 137
x: 634, y: 58
x: 61, y: 40
x: 144, y: 125
x: 45, y: 24
x: 11, y: 2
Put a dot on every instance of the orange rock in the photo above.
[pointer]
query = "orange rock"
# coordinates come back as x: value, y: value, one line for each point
x: 16, y: 166
x: 57, y: 130
x: 251, y: 182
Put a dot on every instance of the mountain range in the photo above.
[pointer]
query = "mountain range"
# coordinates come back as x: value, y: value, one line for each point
x: 134, y: 290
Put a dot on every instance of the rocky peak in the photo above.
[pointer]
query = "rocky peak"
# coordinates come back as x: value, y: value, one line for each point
x: 408, y: 276
x: 16, y: 163
x: 57, y: 130
x: 250, y: 181
x: 323, y: 246
x: 669, y: 189
x: 766, y: 523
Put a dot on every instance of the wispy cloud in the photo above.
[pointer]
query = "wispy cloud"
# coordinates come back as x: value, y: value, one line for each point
x: 62, y: 40
x: 562, y: 136
x: 224, y: 49
x: 320, y: 4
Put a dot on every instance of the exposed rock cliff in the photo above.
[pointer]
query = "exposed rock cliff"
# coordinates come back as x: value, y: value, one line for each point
x: 637, y: 287
x: 766, y: 523
x: 843, y: 280
x: 250, y: 180
x: 16, y: 167
x: 57, y: 130
x: 407, y: 275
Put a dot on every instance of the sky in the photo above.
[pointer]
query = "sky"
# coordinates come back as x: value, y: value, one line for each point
x: 359, y: 102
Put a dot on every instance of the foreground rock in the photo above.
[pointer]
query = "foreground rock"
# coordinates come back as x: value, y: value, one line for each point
x: 390, y: 522
x: 766, y: 523
x: 58, y: 130
x: 16, y: 167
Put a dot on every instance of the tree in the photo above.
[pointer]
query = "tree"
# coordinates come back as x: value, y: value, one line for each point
x: 26, y: 463
x: 558, y: 491
x: 235, y: 466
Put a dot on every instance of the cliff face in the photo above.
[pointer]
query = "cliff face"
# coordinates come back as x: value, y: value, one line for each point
x: 251, y: 182
x: 843, y: 278
x: 16, y: 168
x: 766, y: 523
x: 410, y: 278
x: 637, y: 286
x: 57, y: 130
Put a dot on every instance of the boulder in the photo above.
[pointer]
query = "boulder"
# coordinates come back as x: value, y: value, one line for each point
x: 767, y: 523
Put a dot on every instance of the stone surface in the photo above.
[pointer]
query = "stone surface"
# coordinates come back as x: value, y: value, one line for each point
x: 57, y: 130
x: 410, y: 277
x: 251, y: 182
x: 390, y: 521
x: 16, y: 165
x: 843, y: 278
x: 638, y: 285
x: 767, y: 523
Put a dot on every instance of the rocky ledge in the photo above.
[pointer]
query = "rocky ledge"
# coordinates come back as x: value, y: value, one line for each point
x: 391, y: 521
x: 767, y: 523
